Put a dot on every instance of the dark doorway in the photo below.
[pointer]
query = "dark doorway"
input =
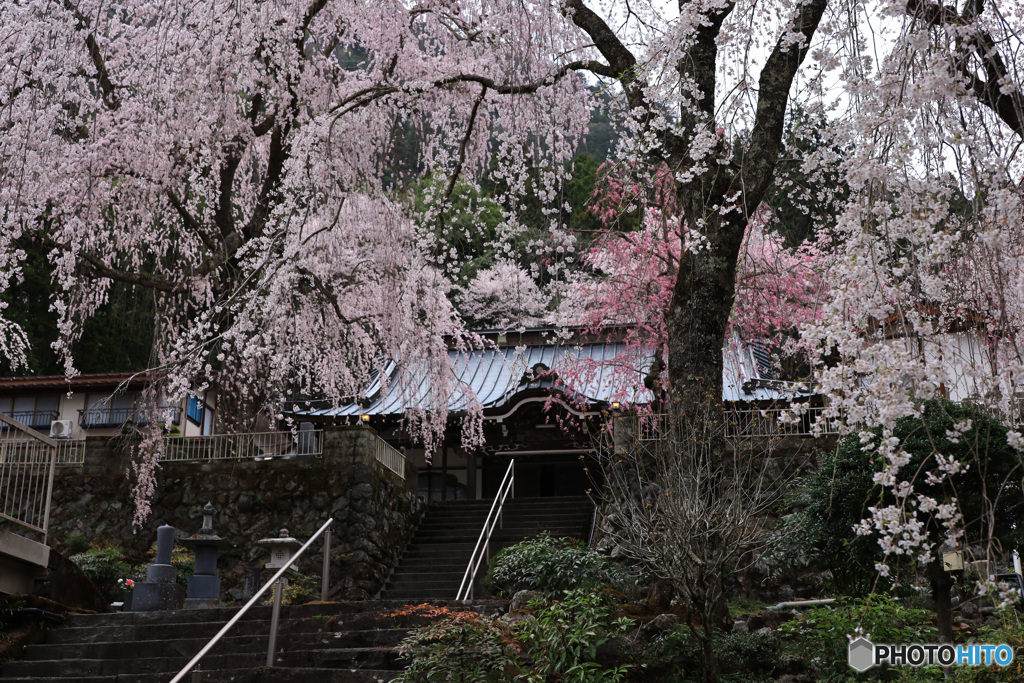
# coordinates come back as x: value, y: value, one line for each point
x: 542, y: 476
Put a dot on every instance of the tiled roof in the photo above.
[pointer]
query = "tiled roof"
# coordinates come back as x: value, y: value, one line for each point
x: 496, y: 375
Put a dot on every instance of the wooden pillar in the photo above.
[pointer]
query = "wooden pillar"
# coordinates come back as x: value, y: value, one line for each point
x: 470, y: 457
x: 444, y: 470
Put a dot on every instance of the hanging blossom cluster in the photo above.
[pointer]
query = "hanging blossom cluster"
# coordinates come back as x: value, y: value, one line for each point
x: 504, y: 296
x: 926, y: 288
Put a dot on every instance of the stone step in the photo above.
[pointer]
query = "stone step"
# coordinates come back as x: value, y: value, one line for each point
x: 327, y: 658
x: 185, y: 646
x: 332, y: 642
x: 519, y: 530
x: 450, y: 567
x: 425, y: 594
x: 444, y: 582
x: 251, y: 675
x: 312, y: 610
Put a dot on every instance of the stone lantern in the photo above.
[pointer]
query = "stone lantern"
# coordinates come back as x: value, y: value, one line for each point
x: 281, y: 550
x: 204, y: 584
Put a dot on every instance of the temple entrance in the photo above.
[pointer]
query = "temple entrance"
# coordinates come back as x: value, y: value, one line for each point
x: 543, y: 475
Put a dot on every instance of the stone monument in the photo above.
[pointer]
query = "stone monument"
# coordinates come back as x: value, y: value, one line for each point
x: 159, y: 591
x: 204, y: 584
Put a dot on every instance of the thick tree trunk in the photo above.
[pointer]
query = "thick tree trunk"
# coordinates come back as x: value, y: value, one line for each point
x: 698, y: 319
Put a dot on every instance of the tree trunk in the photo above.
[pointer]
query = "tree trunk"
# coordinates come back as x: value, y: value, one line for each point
x: 941, y: 592
x: 698, y: 319
x: 710, y: 673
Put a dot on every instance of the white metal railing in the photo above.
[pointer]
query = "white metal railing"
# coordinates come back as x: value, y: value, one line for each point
x: 275, y: 615
x: 389, y: 456
x: 754, y: 423
x: 483, y: 544
x: 26, y: 477
x: 794, y: 420
x: 69, y: 452
x: 253, y: 446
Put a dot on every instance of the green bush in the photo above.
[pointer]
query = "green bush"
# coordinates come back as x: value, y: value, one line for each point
x: 183, y: 559
x: 838, y: 494
x: 552, y: 565
x: 820, y: 637
x: 104, y: 566
x: 464, y: 647
x: 301, y: 589
x: 672, y: 653
x: 561, y: 643
x: 563, y: 640
x: 749, y: 656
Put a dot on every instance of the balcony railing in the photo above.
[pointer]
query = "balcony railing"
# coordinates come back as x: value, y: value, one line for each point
x: 69, y: 451
x: 116, y: 417
x: 253, y: 446
x: 36, y: 419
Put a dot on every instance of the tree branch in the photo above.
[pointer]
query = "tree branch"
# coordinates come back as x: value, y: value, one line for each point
x: 775, y: 82
x: 96, y: 268
x: 102, y: 75
x: 1007, y: 106
x: 278, y: 155
x: 465, y: 143
x: 328, y: 295
x: 528, y: 88
x: 190, y: 222
x: 621, y: 62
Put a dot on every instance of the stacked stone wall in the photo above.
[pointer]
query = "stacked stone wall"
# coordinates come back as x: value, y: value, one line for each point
x: 375, y: 512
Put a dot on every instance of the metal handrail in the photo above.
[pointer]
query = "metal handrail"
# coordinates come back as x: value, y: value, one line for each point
x: 493, y: 517
x: 26, y: 477
x: 252, y: 601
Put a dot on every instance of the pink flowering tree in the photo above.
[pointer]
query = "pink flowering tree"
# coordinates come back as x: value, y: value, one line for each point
x: 503, y: 296
x: 631, y: 269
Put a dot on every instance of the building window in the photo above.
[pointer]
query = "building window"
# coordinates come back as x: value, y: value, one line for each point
x: 34, y: 411
x: 195, y: 410
x: 110, y: 411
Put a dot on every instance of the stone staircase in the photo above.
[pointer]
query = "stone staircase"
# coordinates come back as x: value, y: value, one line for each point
x: 324, y: 642
x: 435, y: 561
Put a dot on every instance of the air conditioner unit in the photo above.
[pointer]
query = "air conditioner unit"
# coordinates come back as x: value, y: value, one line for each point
x: 61, y: 429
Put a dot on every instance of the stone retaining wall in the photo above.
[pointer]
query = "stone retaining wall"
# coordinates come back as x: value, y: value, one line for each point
x: 375, y: 511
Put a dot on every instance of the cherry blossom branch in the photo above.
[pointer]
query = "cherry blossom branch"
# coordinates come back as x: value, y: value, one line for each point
x: 102, y: 75
x: 465, y: 143
x: 96, y: 268
x: 190, y: 222
x: 775, y: 82
x: 1005, y: 103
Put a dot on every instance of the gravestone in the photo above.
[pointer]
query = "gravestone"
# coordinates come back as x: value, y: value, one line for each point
x: 159, y: 591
